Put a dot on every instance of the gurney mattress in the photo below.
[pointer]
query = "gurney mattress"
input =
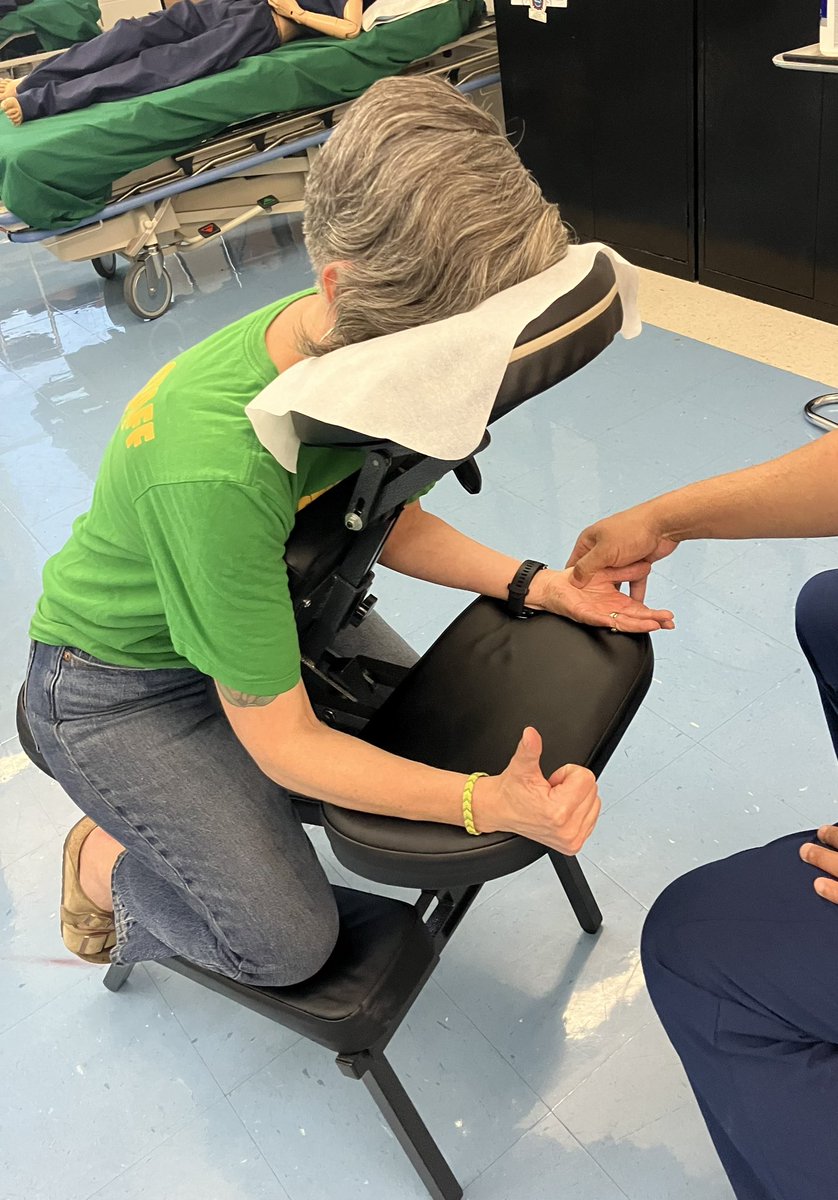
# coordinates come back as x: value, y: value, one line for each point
x: 58, y: 171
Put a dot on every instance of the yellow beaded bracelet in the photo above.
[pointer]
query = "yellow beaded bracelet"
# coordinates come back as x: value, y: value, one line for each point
x: 468, y: 794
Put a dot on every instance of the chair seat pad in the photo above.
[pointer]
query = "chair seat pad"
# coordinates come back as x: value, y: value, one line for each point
x: 383, y: 955
x: 464, y: 706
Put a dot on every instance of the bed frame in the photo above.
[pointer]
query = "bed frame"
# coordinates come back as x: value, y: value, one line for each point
x: 185, y: 200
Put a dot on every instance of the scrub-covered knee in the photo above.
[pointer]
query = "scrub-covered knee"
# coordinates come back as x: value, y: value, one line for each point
x: 659, y: 942
x: 817, y: 628
x: 667, y: 943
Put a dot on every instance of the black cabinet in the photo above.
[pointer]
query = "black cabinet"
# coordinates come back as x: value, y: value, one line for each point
x: 665, y: 129
x: 759, y: 138
x: 605, y: 120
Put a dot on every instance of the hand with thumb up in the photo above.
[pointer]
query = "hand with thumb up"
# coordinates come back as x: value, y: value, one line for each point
x: 559, y: 812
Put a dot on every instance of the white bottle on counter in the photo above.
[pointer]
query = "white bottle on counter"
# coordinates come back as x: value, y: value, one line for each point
x: 829, y: 28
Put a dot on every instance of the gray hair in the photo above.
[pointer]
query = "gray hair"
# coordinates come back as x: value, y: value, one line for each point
x: 427, y: 209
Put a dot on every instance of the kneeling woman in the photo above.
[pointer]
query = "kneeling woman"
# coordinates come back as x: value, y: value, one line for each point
x: 172, y: 592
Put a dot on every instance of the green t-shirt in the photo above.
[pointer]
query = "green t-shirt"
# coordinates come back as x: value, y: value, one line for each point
x: 180, y: 560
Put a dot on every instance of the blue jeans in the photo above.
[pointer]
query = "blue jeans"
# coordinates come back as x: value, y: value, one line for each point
x: 147, y: 54
x: 217, y: 866
x: 741, y: 963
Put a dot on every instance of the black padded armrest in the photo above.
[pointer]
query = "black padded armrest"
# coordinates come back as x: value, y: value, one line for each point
x: 464, y: 706
x: 466, y: 702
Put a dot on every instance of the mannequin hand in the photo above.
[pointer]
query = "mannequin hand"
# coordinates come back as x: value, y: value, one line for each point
x: 559, y: 812
x: 824, y: 860
x: 594, y: 603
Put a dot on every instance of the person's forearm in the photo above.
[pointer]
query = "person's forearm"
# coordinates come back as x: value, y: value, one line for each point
x: 339, y: 769
x: 426, y: 547
x: 291, y: 747
x: 793, y: 496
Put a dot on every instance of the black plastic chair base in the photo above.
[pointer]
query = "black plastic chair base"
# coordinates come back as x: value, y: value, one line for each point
x: 116, y: 975
x: 384, y: 957
x: 410, y: 1130
x: 393, y: 1102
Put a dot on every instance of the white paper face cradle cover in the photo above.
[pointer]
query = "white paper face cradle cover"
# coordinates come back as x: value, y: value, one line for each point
x: 429, y: 389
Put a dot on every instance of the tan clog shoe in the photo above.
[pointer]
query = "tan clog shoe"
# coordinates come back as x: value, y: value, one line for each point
x: 86, y: 930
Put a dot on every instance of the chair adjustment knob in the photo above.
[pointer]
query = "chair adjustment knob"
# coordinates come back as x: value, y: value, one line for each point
x: 363, y: 610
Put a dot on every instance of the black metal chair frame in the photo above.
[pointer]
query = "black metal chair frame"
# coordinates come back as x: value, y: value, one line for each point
x: 443, y: 913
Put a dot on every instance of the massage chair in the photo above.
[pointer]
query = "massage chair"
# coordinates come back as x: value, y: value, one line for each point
x: 465, y: 702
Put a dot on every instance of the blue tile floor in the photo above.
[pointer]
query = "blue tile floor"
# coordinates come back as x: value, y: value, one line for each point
x: 534, y: 1053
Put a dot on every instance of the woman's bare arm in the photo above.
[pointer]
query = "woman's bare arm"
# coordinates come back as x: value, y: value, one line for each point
x: 284, y: 737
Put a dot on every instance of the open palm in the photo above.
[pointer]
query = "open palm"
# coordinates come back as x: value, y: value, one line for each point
x: 595, y: 603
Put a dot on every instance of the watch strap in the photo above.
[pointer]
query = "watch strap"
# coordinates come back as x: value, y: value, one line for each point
x: 520, y: 586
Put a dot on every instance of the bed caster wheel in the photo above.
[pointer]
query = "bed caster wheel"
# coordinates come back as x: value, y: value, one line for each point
x: 148, y: 297
x: 104, y: 266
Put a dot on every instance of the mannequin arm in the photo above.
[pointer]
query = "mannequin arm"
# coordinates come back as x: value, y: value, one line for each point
x: 347, y: 26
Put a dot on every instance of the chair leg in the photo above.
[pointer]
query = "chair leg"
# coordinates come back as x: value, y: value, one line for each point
x: 116, y: 975
x: 578, y: 891
x: 400, y: 1114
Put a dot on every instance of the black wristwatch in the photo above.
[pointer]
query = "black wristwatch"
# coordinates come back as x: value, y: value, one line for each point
x: 520, y: 586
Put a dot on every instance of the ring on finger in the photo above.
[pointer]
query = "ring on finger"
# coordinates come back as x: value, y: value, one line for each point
x: 614, y: 626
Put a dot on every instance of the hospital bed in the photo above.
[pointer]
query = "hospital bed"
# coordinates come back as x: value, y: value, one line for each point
x: 42, y: 27
x: 209, y: 184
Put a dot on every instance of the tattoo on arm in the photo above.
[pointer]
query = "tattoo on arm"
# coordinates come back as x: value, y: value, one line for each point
x: 243, y: 699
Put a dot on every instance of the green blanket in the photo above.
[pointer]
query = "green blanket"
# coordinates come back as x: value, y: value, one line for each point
x: 56, y: 23
x: 59, y: 170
